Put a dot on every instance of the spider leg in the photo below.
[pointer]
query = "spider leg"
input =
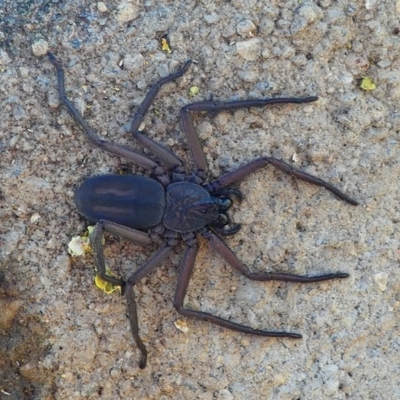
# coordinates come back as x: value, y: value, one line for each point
x: 239, y: 174
x: 216, y: 107
x: 220, y: 246
x: 91, y: 135
x: 133, y: 235
x: 149, y: 266
x: 137, y: 237
x: 185, y: 273
x: 159, y: 151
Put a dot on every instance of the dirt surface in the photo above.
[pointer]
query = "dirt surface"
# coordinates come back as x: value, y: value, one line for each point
x: 62, y: 338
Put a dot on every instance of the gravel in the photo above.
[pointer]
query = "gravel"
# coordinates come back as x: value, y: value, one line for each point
x: 62, y: 338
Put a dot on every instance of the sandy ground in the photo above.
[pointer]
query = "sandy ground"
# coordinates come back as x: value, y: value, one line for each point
x: 62, y: 338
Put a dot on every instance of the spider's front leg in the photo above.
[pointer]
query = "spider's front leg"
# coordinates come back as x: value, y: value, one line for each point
x: 239, y: 174
x: 216, y: 107
x: 91, y: 135
x: 236, y: 176
x: 163, y: 154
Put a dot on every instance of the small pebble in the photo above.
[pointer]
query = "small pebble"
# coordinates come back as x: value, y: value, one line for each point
x: 40, y: 47
x: 246, y: 28
x: 102, y: 7
x: 133, y: 62
x: 126, y: 12
x: 249, y: 49
x: 211, y: 18
x: 381, y: 279
x: 18, y: 112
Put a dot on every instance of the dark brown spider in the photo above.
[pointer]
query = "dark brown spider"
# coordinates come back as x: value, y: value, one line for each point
x: 175, y: 205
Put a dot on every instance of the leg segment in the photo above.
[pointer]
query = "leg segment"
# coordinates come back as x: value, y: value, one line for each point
x: 91, y: 135
x: 159, y: 151
x: 220, y: 246
x: 149, y: 266
x: 144, y: 107
x: 115, y: 229
x: 239, y: 174
x: 167, y: 158
x: 216, y: 107
x: 128, y: 286
x: 183, y: 282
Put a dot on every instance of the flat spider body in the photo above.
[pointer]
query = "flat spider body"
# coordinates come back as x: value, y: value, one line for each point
x: 173, y: 206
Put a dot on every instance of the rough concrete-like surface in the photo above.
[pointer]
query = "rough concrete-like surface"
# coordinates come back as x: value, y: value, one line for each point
x: 67, y: 340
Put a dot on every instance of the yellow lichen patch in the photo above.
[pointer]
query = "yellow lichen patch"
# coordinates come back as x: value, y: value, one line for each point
x: 165, y: 45
x: 105, y: 286
x: 367, y: 83
x: 194, y: 90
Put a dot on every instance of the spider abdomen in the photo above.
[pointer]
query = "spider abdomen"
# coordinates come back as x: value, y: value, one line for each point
x: 129, y: 200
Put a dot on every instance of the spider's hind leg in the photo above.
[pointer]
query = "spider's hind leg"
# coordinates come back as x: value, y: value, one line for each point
x: 222, y: 248
x: 187, y: 265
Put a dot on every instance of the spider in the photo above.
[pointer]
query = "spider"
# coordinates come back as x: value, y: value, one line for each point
x: 173, y: 205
